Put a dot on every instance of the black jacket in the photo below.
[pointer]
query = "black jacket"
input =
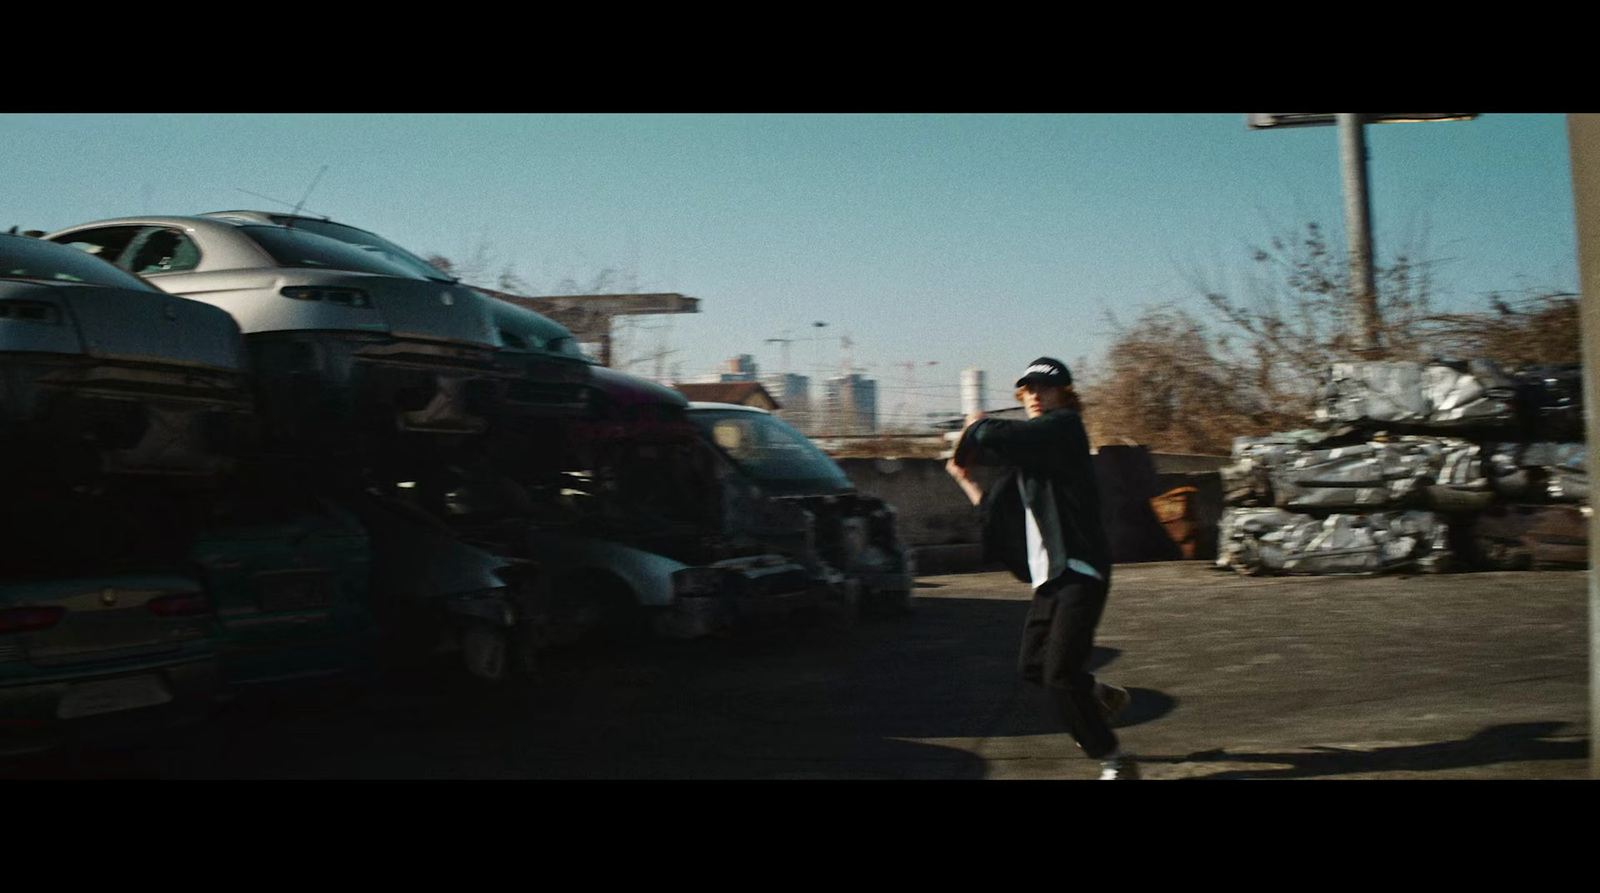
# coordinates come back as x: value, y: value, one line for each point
x: 1051, y: 456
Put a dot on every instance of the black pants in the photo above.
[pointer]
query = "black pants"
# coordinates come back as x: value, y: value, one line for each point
x: 1056, y: 642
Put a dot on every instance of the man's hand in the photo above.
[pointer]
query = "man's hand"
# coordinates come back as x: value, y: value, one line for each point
x: 967, y: 484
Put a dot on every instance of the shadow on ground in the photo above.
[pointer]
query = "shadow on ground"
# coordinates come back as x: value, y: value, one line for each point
x: 784, y: 701
x: 1515, y: 742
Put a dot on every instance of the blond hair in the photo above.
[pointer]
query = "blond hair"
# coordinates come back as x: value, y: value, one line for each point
x: 1069, y: 397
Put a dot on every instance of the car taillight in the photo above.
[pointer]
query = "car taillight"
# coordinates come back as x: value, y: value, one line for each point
x: 30, y: 619
x: 347, y: 297
x: 178, y: 605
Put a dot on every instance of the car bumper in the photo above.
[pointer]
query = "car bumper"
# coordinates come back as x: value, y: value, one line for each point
x: 38, y: 715
x: 748, y: 594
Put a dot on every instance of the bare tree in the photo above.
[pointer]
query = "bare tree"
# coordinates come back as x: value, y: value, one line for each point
x: 1535, y: 328
x: 1165, y: 384
x: 1173, y: 383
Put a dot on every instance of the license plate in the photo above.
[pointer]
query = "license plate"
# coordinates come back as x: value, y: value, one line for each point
x: 112, y: 696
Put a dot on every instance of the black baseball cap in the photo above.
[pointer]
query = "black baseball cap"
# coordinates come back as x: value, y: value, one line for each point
x: 1046, y: 371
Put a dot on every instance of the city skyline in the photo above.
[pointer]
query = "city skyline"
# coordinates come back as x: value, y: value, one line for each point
x: 925, y: 243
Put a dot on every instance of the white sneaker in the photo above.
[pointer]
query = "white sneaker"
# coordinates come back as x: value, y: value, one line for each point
x: 1121, y: 767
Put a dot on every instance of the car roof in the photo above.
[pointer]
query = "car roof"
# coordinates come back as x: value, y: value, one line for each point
x: 186, y: 222
x: 266, y: 217
x: 703, y: 404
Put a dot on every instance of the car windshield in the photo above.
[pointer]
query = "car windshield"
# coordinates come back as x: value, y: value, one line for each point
x: 771, y: 452
x: 367, y: 242
x: 23, y: 257
x: 299, y: 248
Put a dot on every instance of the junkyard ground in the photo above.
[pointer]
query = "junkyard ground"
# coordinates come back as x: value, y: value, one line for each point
x: 1470, y: 676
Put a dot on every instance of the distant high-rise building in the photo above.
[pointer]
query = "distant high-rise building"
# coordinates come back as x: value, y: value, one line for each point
x: 974, y: 390
x: 793, y: 393
x: 851, y: 406
x: 740, y: 368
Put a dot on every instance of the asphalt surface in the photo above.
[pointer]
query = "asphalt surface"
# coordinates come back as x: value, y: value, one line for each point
x: 1473, y: 676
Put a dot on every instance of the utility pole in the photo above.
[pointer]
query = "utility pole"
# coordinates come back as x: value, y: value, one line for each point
x: 1583, y: 140
x: 1358, y: 229
x: 1357, y: 205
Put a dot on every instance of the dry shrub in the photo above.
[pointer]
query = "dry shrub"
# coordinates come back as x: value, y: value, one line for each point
x: 1172, y: 383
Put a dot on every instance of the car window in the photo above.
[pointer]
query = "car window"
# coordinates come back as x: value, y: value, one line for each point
x: 367, y: 242
x: 107, y: 242
x: 26, y: 258
x: 300, y: 248
x: 770, y: 451
x: 162, y: 251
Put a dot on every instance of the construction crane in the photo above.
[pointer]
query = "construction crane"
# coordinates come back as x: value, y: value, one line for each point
x: 911, y: 386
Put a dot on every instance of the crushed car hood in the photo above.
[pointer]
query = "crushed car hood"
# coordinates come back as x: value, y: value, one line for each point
x: 120, y: 325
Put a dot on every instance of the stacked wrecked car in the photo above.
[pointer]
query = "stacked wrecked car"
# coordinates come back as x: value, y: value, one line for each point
x: 1416, y: 467
x: 266, y: 451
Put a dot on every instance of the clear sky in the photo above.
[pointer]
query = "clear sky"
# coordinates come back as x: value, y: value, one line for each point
x: 933, y: 242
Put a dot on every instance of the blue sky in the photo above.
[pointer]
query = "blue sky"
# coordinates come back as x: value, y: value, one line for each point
x: 933, y: 242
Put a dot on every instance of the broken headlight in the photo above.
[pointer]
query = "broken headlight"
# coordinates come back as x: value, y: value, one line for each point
x: 327, y: 294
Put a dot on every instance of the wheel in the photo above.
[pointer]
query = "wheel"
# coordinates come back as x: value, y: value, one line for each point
x: 486, y: 651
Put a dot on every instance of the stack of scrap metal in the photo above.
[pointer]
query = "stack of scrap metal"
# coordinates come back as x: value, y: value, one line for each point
x: 1416, y: 467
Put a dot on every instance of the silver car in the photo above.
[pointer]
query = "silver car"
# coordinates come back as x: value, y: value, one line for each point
x: 527, y: 339
x: 343, y: 340
x: 99, y: 366
x: 343, y: 232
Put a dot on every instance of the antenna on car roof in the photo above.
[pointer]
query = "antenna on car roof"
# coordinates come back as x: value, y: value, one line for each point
x: 309, y: 188
x: 298, y: 205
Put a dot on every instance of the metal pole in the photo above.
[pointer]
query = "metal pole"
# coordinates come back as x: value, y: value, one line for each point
x: 1358, y: 229
x: 1583, y: 147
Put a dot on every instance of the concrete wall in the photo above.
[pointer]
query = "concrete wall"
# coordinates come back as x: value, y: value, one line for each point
x: 937, y: 521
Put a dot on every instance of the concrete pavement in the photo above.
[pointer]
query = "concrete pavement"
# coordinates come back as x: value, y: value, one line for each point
x: 1473, y: 676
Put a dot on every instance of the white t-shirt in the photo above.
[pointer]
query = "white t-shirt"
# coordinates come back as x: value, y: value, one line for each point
x: 1038, y: 556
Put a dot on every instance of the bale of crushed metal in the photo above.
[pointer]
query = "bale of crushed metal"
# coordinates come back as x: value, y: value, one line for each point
x: 1256, y: 541
x: 1247, y: 479
x: 1295, y: 471
x: 1566, y: 469
x: 1539, y: 472
x: 1437, y: 396
x: 1526, y: 537
x: 1240, y: 531
x: 1461, y: 479
x: 1362, y: 392
x: 1551, y: 401
x: 1362, y: 475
